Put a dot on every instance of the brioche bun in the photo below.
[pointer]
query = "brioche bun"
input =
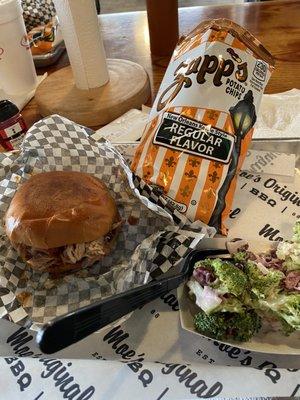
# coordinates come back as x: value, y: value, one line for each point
x: 59, y: 208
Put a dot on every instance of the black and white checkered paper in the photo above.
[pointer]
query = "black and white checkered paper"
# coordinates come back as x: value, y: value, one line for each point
x: 153, y: 238
x: 37, y: 12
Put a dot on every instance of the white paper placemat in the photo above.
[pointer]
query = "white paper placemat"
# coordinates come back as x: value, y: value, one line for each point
x: 150, y: 356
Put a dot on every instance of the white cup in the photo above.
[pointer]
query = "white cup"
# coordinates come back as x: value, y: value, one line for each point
x: 17, y: 72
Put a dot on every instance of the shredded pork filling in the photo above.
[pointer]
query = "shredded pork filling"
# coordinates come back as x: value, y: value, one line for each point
x: 75, y: 252
x: 88, y: 252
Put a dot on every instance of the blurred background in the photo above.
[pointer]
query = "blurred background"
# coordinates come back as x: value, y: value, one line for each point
x: 109, y: 6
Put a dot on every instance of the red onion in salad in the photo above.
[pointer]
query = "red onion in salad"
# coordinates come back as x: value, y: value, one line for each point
x: 204, y: 276
x: 270, y: 260
x: 292, y: 280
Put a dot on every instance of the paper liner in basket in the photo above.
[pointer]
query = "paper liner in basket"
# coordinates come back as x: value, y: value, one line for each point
x: 153, y: 237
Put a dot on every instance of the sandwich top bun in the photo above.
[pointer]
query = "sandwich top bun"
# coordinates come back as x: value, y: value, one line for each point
x: 59, y: 208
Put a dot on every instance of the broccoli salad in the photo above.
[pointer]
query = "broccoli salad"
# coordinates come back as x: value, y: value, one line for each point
x: 233, y: 297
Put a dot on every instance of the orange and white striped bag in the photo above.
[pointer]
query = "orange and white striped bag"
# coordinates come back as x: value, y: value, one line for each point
x: 201, y: 122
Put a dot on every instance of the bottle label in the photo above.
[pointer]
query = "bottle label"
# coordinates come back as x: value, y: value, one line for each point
x: 12, y: 136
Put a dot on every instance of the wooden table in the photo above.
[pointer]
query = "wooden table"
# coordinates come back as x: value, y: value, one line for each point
x: 275, y: 23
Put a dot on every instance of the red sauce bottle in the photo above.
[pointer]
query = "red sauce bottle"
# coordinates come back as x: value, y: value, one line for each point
x: 12, y: 126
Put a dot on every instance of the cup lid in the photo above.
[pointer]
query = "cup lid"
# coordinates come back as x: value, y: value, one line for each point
x: 9, y: 10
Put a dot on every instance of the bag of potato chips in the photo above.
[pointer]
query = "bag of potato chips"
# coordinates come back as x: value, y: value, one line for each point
x: 201, y: 122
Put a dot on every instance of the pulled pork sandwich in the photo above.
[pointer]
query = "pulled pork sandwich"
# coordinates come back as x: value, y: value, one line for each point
x: 62, y: 221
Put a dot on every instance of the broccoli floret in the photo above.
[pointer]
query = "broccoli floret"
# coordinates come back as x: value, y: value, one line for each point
x: 296, y: 229
x: 290, y: 254
x: 230, y: 304
x: 241, y: 256
x: 293, y: 262
x: 285, y: 307
x: 230, y: 278
x: 290, y: 251
x: 228, y: 326
x: 263, y: 285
